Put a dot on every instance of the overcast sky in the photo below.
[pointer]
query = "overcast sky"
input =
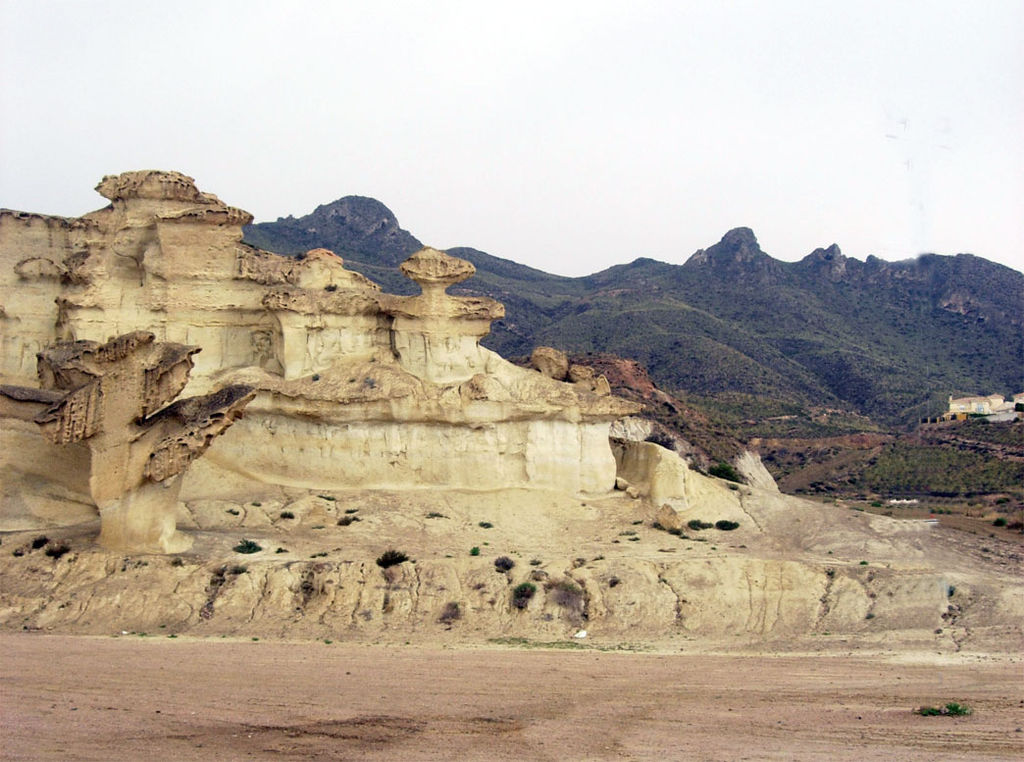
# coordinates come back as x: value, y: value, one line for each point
x: 569, y: 136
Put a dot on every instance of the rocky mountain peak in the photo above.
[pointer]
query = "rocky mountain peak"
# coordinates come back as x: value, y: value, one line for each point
x: 738, y: 248
x: 830, y: 261
x: 353, y: 225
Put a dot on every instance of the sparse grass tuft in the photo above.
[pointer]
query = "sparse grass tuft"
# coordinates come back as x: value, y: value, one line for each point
x: 951, y: 709
x: 450, y: 613
x: 567, y: 594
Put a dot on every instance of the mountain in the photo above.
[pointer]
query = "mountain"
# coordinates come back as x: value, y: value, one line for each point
x: 830, y: 341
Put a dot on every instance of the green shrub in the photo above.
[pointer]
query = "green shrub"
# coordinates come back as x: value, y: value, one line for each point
x: 474, y: 551
x: 247, y: 546
x: 725, y: 471
x: 521, y: 594
x: 391, y: 557
x: 697, y: 524
x: 1000, y: 522
x: 287, y: 515
x: 344, y: 521
x: 725, y: 525
x: 485, y: 524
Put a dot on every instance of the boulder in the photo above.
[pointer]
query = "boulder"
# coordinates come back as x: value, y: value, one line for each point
x: 551, y: 362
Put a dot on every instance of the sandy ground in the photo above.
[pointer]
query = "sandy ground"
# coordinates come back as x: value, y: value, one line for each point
x: 94, y: 698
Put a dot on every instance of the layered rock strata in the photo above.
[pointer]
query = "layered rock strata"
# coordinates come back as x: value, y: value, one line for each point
x: 354, y: 387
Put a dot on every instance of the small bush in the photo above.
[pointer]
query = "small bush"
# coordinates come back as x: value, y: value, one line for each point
x: 503, y: 564
x: 535, y: 562
x: 39, y: 542
x: 662, y: 439
x: 58, y: 550
x: 344, y: 521
x: 233, y: 511
x: 436, y: 515
x: 247, y: 546
x: 567, y: 594
x: 450, y: 613
x: 951, y: 709
x: 521, y: 594
x: 725, y: 471
x: 1000, y: 522
x: 863, y: 563
x: 697, y: 524
x: 287, y: 515
x: 474, y: 551
x: 725, y: 525
x: 613, y: 581
x: 485, y: 524
x: 391, y: 557
x: 238, y: 569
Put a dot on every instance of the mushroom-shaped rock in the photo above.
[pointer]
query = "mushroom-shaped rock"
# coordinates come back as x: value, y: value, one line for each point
x: 436, y: 336
x: 433, y: 269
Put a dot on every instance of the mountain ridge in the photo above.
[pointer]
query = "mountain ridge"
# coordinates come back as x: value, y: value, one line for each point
x: 732, y: 324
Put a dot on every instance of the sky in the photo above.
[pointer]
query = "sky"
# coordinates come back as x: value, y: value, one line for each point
x: 570, y: 136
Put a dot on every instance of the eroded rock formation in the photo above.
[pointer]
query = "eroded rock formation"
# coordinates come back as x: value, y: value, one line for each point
x: 115, y: 398
x: 354, y: 387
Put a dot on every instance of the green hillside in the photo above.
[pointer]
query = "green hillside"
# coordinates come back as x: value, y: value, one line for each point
x: 734, y: 330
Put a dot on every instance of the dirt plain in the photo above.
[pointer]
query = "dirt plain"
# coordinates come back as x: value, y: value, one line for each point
x: 717, y: 649
x: 126, y: 697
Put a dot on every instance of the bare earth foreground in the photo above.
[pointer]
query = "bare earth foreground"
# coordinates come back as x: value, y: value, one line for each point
x: 68, y: 697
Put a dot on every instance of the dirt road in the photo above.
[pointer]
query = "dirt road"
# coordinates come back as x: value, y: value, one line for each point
x: 93, y: 698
